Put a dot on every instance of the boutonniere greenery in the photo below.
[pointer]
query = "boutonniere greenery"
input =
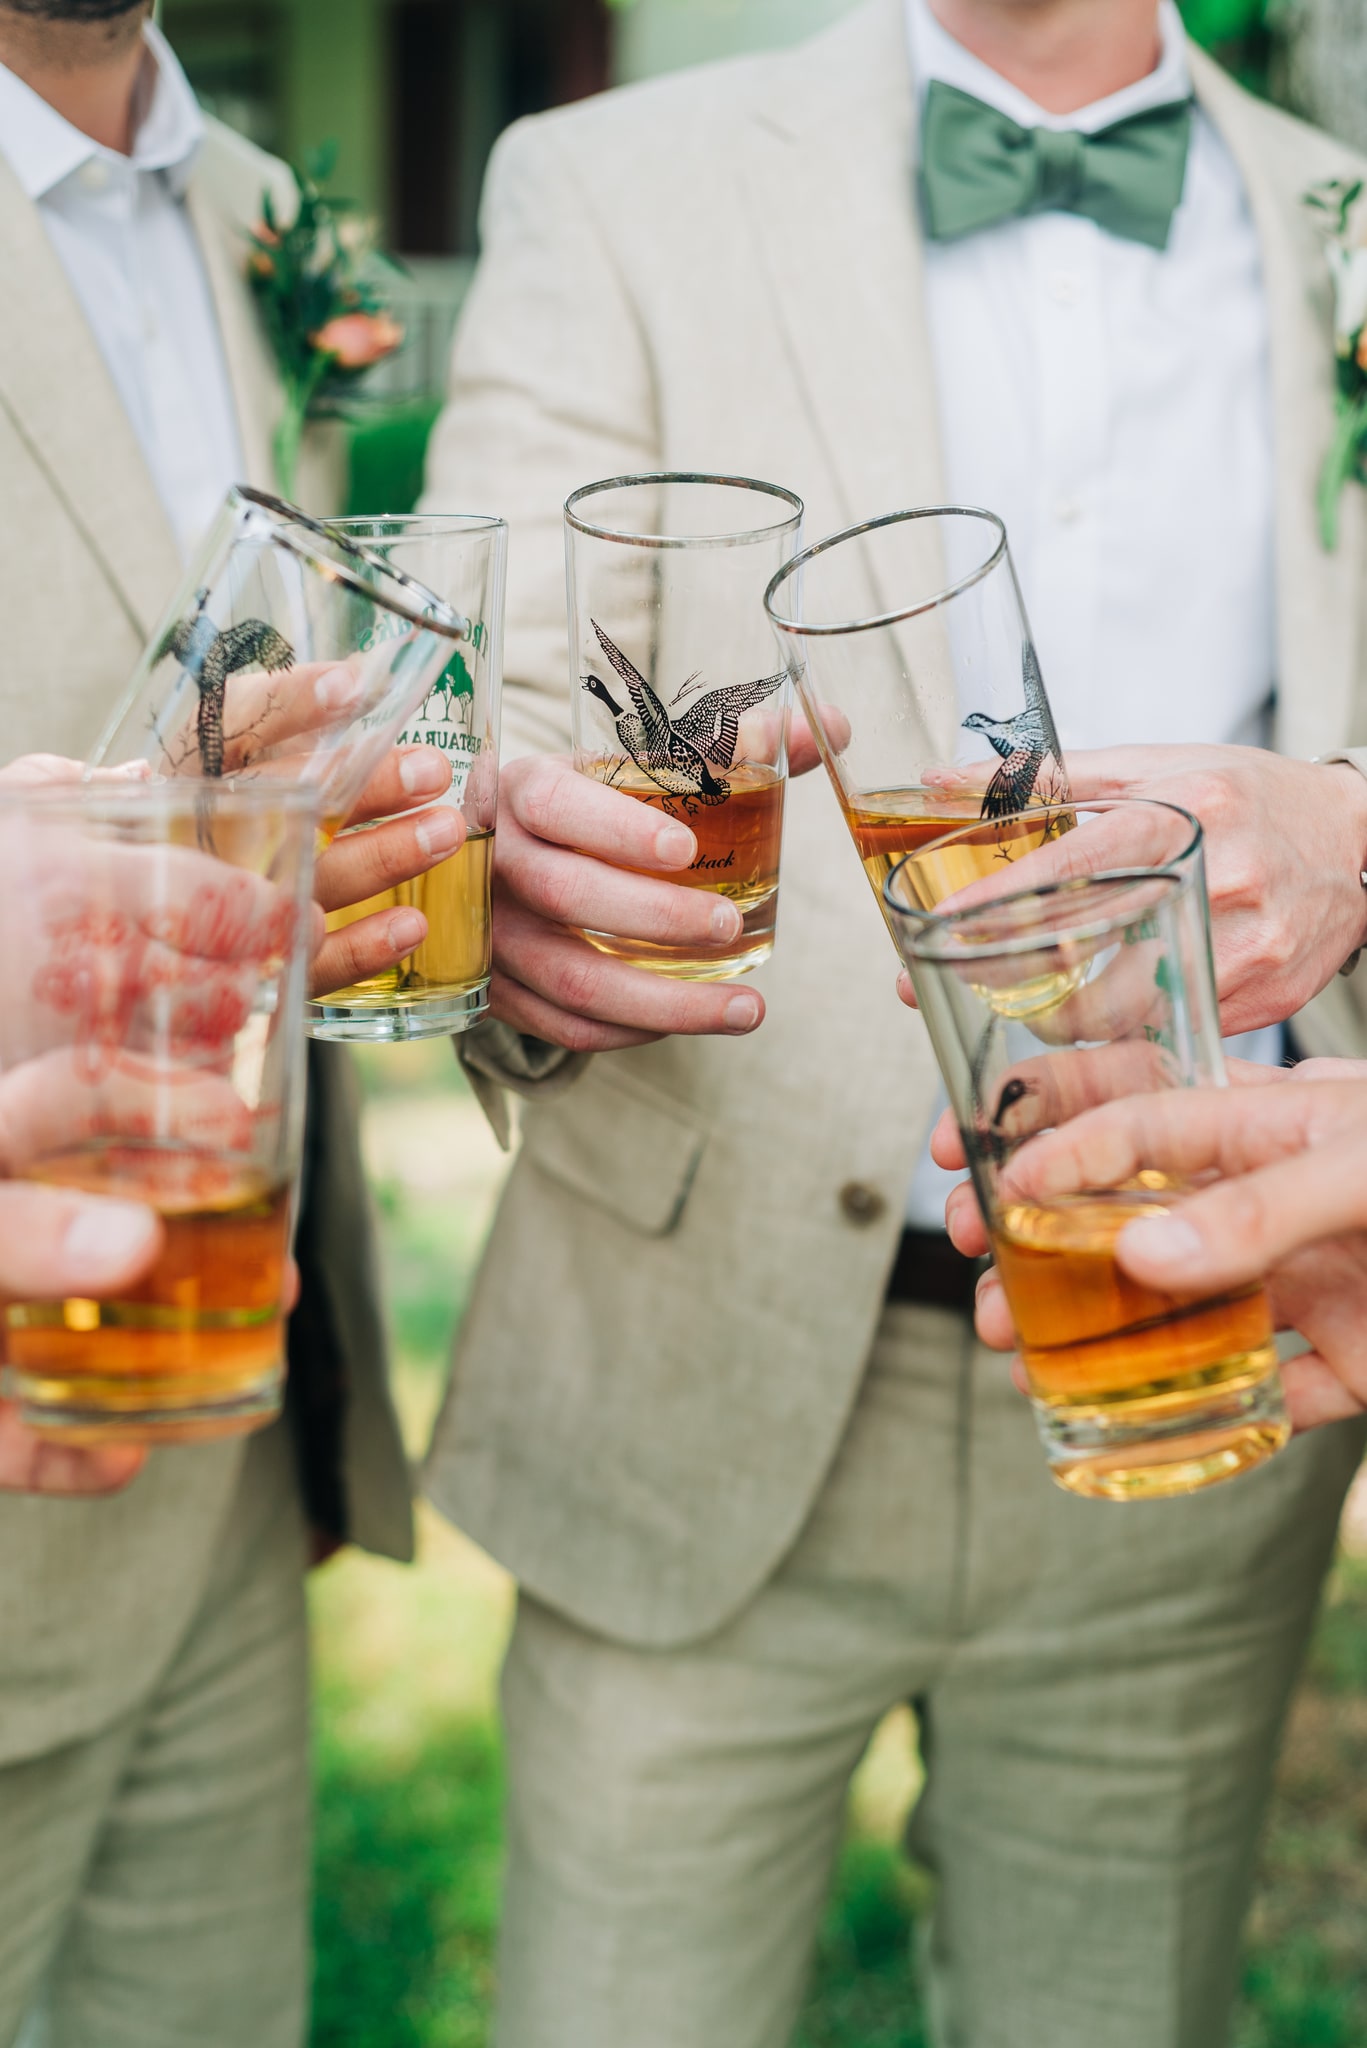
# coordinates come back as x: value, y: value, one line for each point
x: 318, y: 280
x: 1334, y: 203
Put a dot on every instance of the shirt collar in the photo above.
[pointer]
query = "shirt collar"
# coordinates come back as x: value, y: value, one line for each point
x: 43, y: 149
x: 936, y: 54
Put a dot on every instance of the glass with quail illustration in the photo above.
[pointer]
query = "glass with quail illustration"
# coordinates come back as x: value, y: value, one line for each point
x: 909, y: 646
x: 679, y: 698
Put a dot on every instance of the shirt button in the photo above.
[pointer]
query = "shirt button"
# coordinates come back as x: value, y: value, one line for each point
x: 94, y: 175
x: 861, y: 1204
x: 1068, y: 511
x: 1063, y: 289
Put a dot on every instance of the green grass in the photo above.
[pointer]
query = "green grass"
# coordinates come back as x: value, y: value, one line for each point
x: 408, y: 1764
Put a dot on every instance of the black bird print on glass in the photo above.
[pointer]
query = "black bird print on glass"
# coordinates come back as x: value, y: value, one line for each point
x: 209, y: 657
x: 1024, y: 744
x: 680, y: 751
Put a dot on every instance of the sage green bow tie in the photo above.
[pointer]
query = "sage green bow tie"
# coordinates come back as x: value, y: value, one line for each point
x: 979, y: 167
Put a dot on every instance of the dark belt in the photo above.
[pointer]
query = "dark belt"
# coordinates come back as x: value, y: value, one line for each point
x: 928, y: 1271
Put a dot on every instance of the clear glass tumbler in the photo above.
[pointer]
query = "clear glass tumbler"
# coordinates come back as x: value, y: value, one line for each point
x: 677, y: 697
x: 912, y: 655
x: 288, y: 654
x: 1041, y: 1004
x: 152, y: 1047
x: 442, y: 987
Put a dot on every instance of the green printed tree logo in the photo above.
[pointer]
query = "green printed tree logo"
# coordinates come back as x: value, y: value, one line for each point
x: 453, y: 684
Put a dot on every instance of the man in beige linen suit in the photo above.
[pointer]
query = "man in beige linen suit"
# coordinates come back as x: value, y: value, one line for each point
x: 153, y: 1680
x: 752, y: 1498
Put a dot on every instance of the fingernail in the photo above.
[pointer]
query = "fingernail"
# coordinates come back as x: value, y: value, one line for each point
x: 424, y: 772
x: 1161, y: 1241
x: 742, y: 1013
x: 407, y: 929
x: 675, y: 846
x: 106, y: 1238
x: 337, y: 689
x: 439, y: 831
x: 726, y: 921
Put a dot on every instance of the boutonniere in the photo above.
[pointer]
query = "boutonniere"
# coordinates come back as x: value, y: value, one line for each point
x: 317, y: 281
x: 1333, y: 204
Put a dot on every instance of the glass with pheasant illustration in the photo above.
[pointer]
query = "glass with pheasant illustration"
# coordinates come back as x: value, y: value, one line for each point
x: 678, y: 698
x: 288, y: 655
x: 908, y: 642
x: 442, y: 987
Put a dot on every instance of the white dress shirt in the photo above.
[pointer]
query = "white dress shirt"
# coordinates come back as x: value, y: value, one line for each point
x: 123, y: 235
x: 1113, y: 403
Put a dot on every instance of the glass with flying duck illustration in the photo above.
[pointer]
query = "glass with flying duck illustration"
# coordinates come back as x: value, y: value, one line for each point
x: 908, y: 643
x: 287, y: 655
x: 679, y: 698
x: 443, y: 986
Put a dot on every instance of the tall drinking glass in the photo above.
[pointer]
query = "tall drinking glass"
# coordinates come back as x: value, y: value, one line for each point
x: 442, y: 987
x: 287, y: 655
x: 151, y: 1047
x: 909, y: 645
x: 1138, y: 1394
x: 676, y: 694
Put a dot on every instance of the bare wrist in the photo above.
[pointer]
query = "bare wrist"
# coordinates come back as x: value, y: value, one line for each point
x: 1352, y: 796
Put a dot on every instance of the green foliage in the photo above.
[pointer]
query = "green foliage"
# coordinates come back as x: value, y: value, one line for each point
x: 1212, y: 22
x: 407, y: 1874
x: 388, y: 450
x: 1236, y: 32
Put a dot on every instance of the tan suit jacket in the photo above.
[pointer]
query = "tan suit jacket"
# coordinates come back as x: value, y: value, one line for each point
x: 722, y: 270
x: 95, y: 1596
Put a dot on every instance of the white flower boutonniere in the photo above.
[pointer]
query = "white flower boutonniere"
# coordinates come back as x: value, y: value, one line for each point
x: 1335, y: 206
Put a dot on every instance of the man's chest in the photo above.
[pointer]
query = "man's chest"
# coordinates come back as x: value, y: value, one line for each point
x: 1115, y: 405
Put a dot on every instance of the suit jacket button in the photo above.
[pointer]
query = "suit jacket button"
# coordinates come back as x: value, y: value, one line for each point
x: 861, y: 1204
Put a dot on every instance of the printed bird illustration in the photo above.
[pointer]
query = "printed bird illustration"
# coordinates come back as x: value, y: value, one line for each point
x: 209, y: 657
x: 1024, y: 743
x: 678, y: 750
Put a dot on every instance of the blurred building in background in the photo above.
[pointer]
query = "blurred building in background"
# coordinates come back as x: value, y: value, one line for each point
x: 416, y: 92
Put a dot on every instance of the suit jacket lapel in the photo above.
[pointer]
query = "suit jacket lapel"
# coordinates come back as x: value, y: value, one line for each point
x: 222, y: 211
x: 831, y: 181
x: 1318, y: 595
x: 64, y: 405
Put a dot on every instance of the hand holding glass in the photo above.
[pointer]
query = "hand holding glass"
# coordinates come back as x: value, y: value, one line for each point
x: 678, y: 699
x: 153, y: 1050
x: 1138, y: 1393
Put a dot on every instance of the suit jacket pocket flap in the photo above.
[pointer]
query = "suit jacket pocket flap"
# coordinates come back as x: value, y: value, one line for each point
x: 625, y: 1152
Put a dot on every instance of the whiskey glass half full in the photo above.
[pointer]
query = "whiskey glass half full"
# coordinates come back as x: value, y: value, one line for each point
x: 679, y: 696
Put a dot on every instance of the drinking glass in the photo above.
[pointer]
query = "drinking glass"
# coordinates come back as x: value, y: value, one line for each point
x: 677, y: 698
x: 1137, y: 1393
x: 288, y: 654
x: 151, y: 1047
x: 443, y: 986
x: 908, y: 643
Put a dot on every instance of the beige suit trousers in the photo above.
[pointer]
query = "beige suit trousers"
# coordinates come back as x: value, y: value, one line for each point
x: 1098, y: 1718
x: 154, y: 1880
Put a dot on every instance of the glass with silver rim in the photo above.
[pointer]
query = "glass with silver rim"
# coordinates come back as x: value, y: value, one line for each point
x: 678, y: 697
x: 443, y: 986
x: 1041, y: 1003
x: 908, y: 643
x: 286, y: 655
